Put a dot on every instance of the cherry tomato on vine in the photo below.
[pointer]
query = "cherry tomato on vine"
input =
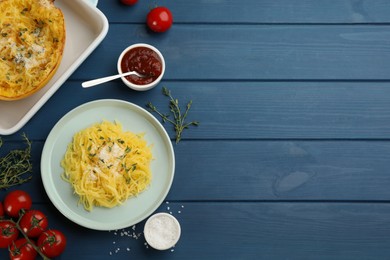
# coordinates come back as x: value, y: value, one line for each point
x: 22, y: 250
x: 159, y: 19
x: 15, y: 201
x: 129, y: 2
x: 8, y: 233
x: 33, y: 223
x: 52, y: 243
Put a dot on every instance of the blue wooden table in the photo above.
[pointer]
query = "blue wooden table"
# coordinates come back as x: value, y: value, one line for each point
x: 291, y: 159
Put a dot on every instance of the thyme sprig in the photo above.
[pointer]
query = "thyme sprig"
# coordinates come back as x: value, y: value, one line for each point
x: 179, y: 118
x: 15, y: 166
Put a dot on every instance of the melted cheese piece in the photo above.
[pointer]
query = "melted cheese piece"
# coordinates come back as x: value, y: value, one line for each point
x: 32, y: 39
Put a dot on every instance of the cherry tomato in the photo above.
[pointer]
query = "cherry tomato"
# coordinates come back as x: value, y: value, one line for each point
x: 8, y: 233
x: 159, y: 19
x: 1, y: 209
x: 15, y: 201
x: 33, y: 223
x: 22, y: 250
x: 52, y: 243
x: 129, y: 2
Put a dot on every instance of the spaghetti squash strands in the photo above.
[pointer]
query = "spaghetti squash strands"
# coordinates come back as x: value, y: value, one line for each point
x: 32, y: 40
x: 106, y: 165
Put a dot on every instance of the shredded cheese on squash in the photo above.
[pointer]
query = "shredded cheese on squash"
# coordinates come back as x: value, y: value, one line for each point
x: 32, y: 39
x: 106, y: 165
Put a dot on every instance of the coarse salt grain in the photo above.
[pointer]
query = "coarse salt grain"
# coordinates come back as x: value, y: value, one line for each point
x: 162, y: 231
x: 119, y: 235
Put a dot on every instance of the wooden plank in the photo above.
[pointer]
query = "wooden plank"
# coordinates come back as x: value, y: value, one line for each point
x: 280, y: 231
x: 254, y: 52
x: 254, y: 11
x: 246, y: 231
x: 268, y: 171
x: 247, y: 110
x: 279, y: 170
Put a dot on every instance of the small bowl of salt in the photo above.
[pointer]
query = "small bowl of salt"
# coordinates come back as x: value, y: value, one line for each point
x: 162, y: 231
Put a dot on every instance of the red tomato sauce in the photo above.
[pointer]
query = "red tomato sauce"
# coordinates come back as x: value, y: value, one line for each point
x: 144, y: 61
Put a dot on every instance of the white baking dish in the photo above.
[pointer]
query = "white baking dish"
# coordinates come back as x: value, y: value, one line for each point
x: 86, y: 27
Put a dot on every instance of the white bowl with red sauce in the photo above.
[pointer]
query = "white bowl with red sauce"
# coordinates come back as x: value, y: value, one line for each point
x: 147, y: 61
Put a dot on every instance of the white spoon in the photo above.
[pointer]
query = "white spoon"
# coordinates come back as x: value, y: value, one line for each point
x: 95, y: 82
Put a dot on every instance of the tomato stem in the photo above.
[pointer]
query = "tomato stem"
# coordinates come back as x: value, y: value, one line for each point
x: 25, y: 235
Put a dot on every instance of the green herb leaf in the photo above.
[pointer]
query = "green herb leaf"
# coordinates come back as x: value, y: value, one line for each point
x: 178, y: 121
x: 15, y: 166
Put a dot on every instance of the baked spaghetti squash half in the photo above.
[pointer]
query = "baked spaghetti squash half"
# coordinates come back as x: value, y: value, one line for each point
x: 32, y: 40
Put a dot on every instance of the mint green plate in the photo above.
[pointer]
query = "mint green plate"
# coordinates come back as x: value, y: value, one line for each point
x: 132, y: 118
